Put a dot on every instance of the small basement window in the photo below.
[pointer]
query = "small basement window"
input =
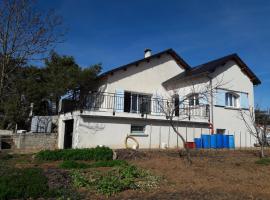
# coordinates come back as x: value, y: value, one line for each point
x: 137, y: 129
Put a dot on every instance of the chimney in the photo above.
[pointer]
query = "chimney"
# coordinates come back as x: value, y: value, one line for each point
x: 147, y: 53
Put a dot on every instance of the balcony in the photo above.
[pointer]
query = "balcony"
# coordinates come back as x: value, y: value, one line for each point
x: 135, y: 105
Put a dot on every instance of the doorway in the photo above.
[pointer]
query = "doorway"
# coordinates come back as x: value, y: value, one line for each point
x: 68, y: 134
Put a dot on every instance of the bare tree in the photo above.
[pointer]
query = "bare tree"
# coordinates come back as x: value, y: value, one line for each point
x: 256, y: 126
x: 181, y: 106
x: 25, y: 34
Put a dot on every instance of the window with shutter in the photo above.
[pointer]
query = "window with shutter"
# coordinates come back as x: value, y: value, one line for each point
x: 231, y: 100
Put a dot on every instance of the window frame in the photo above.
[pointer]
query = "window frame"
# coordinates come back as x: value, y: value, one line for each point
x: 231, y: 100
x: 138, y: 97
x: 193, y: 99
x: 142, y: 132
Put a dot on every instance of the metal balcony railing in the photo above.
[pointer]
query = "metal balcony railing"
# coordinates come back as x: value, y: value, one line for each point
x: 141, y: 104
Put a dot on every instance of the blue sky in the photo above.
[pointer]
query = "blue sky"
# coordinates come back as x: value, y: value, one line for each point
x: 116, y: 32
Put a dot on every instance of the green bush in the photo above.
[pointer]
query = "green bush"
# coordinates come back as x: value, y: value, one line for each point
x: 109, y: 163
x: 70, y: 164
x: 118, y: 180
x: 79, y: 180
x: 98, y: 153
x: 23, y: 183
x: 263, y: 161
x: 6, y: 156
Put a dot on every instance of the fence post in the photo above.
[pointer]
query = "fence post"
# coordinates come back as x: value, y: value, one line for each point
x: 240, y: 140
x: 245, y: 140
x: 234, y: 139
x: 186, y: 134
x: 250, y: 140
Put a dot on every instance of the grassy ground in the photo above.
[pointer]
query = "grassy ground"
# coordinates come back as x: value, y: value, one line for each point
x: 54, y: 175
x: 139, y: 175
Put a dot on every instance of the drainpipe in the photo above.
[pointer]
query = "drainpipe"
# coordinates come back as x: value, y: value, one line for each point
x: 211, y: 103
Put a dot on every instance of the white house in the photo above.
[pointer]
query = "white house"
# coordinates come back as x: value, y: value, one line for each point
x: 128, y: 99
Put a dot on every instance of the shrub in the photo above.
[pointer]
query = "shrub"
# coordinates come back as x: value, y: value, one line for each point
x: 263, y: 161
x: 6, y: 156
x: 120, y: 179
x: 23, y: 183
x: 70, y: 164
x: 109, y: 163
x: 116, y: 180
x: 98, y: 153
x: 79, y: 180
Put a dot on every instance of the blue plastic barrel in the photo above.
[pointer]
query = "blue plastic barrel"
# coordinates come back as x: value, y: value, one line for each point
x: 213, y: 142
x: 206, y: 140
x: 231, y: 142
x: 198, y: 142
x: 225, y: 141
x: 219, y: 141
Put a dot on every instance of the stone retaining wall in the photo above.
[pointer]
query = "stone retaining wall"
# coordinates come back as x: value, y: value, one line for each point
x: 35, y: 141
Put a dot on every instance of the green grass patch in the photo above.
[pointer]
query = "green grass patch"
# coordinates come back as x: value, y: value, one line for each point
x: 23, y: 183
x: 263, y: 161
x: 29, y: 183
x: 70, y: 164
x: 6, y: 156
x: 116, y: 180
x: 98, y: 153
x: 109, y: 163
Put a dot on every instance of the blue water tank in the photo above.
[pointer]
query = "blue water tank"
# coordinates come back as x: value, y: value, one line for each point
x: 219, y: 141
x: 231, y: 142
x: 206, y: 141
x: 198, y: 142
x: 213, y: 141
x: 225, y: 141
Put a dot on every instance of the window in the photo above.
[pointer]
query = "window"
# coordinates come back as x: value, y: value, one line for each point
x: 137, y: 129
x: 193, y: 100
x: 176, y: 105
x: 137, y: 103
x: 231, y: 100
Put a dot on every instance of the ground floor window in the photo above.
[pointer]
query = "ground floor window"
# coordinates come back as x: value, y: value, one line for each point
x: 137, y: 129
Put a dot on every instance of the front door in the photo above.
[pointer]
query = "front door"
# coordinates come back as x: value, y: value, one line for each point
x: 68, y: 134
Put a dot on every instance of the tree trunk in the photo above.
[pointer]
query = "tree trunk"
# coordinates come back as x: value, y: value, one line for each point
x: 2, y: 76
x: 262, y: 151
x: 184, y: 142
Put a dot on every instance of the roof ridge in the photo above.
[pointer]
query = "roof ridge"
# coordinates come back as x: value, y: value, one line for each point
x: 169, y: 50
x: 215, y: 60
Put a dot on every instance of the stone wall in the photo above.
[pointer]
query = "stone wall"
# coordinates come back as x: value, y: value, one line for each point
x: 35, y: 141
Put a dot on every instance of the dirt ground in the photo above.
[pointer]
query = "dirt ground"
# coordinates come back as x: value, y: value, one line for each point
x: 213, y: 175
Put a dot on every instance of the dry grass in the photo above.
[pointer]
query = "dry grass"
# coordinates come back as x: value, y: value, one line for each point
x: 213, y: 175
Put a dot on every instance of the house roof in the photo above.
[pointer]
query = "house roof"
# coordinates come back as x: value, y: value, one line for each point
x: 210, y: 67
x: 180, y: 61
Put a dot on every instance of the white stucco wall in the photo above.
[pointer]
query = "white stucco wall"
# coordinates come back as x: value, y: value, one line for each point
x: 90, y: 131
x: 147, y: 77
x: 231, y: 78
x: 225, y: 118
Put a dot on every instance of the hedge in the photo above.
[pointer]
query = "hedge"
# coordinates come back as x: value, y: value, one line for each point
x: 98, y: 153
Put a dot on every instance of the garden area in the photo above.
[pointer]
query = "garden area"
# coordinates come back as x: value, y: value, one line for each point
x: 156, y: 174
